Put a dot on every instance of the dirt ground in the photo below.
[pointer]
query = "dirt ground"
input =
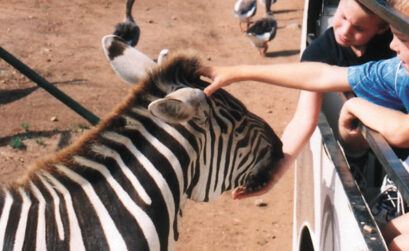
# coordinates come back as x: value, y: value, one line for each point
x: 61, y: 40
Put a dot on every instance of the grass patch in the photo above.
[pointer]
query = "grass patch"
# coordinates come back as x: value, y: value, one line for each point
x: 17, y: 143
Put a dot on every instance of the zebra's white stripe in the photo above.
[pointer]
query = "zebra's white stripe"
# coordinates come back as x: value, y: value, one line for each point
x: 8, y: 201
x: 76, y: 241
x: 175, y: 133
x: 56, y: 201
x: 153, y: 172
x: 106, y: 151
x: 144, y: 221
x: 114, y: 238
x: 173, y: 160
x: 199, y: 190
x: 40, y: 236
x: 22, y: 224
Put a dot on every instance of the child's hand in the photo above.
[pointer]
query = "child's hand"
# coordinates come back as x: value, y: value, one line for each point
x: 348, y: 122
x: 221, y: 76
x: 349, y: 131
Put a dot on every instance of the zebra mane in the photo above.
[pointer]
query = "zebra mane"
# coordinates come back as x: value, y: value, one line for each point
x: 179, y: 67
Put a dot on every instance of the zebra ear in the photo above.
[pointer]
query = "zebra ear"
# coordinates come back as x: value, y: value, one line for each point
x: 129, y: 63
x: 181, y: 106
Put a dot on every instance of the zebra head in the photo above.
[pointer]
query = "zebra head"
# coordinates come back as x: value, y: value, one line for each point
x: 228, y: 146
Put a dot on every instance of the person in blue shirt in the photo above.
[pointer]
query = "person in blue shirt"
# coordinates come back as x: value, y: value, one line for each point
x: 383, y: 91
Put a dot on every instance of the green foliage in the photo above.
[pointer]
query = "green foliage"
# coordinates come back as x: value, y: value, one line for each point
x: 17, y: 143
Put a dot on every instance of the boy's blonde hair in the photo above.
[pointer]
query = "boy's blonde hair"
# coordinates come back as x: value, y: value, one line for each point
x: 382, y: 24
x: 400, y: 5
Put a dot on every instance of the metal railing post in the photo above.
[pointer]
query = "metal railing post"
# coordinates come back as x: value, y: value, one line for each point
x: 33, y: 76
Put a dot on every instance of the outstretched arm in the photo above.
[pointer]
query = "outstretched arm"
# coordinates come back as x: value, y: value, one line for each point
x: 392, y: 124
x: 310, y: 76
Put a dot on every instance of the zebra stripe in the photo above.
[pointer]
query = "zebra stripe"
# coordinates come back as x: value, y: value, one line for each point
x: 76, y: 241
x: 56, y: 206
x: 200, y: 191
x: 162, y: 148
x: 184, y: 143
x: 169, y: 129
x: 22, y: 224
x: 140, y: 216
x: 153, y: 172
x: 106, y: 151
x: 115, y: 240
x: 5, y: 216
x: 41, y: 235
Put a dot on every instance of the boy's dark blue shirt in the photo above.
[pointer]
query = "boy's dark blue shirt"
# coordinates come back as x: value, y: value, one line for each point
x: 326, y: 49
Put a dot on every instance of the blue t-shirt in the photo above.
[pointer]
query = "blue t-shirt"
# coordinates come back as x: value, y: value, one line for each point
x: 383, y: 82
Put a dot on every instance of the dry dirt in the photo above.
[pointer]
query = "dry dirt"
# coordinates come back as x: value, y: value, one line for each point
x: 60, y: 39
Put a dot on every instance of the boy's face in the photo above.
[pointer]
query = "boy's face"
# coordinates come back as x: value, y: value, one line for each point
x: 353, y: 26
x: 400, y: 44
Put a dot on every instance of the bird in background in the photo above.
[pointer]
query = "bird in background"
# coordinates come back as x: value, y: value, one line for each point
x: 244, y: 10
x: 261, y: 32
x: 128, y: 30
x: 267, y: 4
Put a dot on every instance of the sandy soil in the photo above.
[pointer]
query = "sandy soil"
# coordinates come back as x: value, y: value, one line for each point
x: 60, y: 39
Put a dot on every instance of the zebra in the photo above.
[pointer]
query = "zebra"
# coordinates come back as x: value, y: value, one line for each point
x: 123, y: 184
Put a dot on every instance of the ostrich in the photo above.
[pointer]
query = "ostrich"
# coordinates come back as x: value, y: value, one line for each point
x: 128, y: 30
x: 261, y: 32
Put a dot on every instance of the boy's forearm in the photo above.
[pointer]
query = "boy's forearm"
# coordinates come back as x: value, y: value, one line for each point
x: 392, y: 124
x: 310, y: 76
x: 302, y: 125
